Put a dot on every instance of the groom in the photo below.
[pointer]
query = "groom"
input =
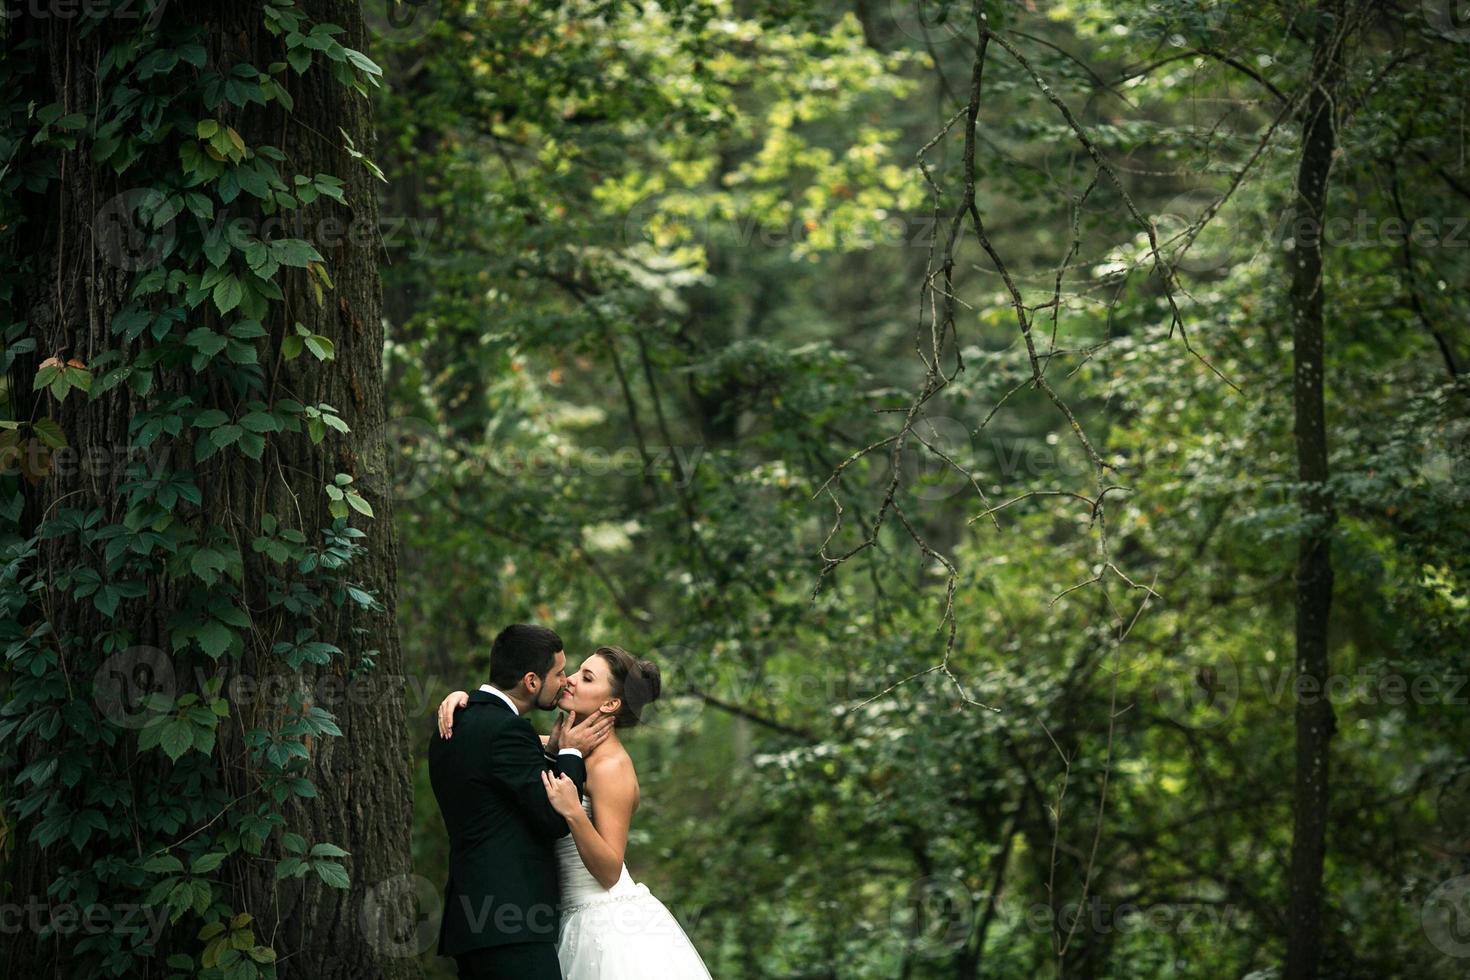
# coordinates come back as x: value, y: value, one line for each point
x: 500, y: 904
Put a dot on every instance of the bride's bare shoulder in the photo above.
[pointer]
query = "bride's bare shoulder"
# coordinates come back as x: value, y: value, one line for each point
x: 611, y: 765
x: 610, y: 762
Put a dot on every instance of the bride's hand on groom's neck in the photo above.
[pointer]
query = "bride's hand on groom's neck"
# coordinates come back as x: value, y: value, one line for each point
x: 447, y: 708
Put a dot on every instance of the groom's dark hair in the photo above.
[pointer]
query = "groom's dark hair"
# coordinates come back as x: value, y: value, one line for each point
x: 522, y: 649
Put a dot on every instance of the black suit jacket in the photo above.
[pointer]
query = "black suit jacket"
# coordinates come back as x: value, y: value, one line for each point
x: 502, y: 829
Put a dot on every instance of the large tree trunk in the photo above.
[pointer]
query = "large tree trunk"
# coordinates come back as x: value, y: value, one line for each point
x: 363, y: 778
x: 1315, y: 721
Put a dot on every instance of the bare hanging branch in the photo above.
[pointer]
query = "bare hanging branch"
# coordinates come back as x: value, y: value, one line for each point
x: 937, y: 344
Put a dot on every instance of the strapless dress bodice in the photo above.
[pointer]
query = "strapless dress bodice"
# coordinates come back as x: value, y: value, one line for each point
x: 578, y: 887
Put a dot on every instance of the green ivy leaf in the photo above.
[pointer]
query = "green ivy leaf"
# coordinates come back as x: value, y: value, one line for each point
x: 321, y: 347
x: 227, y: 293
x: 247, y: 330
x: 49, y: 432
x: 163, y: 864
x: 207, y: 563
x: 226, y: 435
x: 252, y: 445
x: 295, y: 252
x: 290, y: 868
x: 176, y: 738
x: 215, y: 638
x: 205, y: 340
x: 206, y: 863
x: 332, y: 873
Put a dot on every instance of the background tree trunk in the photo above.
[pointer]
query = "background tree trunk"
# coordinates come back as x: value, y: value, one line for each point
x: 363, y: 778
x: 1315, y: 722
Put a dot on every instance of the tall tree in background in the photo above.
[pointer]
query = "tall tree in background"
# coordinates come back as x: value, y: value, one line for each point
x: 203, y: 660
x: 1315, y: 721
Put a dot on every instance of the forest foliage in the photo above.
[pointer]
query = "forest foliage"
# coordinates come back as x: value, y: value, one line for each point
x: 986, y: 678
x: 674, y: 275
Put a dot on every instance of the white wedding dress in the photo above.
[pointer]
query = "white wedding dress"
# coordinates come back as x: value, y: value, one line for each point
x: 617, y: 933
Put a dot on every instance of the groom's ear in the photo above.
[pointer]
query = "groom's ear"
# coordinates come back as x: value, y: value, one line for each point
x: 529, y: 681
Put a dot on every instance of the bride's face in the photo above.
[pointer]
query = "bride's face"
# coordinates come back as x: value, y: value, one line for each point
x: 589, y: 689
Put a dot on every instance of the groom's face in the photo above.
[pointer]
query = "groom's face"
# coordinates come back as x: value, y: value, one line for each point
x: 551, y: 685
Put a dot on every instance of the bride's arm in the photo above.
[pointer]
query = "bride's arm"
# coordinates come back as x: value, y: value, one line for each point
x: 613, y: 787
x: 457, y: 700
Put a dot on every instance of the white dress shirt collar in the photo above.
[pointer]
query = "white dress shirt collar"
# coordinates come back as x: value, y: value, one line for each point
x: 492, y: 689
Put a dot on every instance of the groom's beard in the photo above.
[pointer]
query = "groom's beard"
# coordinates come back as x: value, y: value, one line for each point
x: 541, y: 694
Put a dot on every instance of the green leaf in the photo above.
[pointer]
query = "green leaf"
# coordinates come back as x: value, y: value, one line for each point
x: 51, y: 830
x: 241, y: 353
x: 290, y: 868
x: 227, y: 293
x: 321, y: 347
x: 261, y: 422
x: 332, y: 873
x: 205, y: 340
x: 248, y: 330
x: 207, y: 564
x: 163, y: 864
x: 106, y: 601
x: 48, y: 430
x: 176, y: 738
x: 216, y: 248
x: 252, y: 445
x: 203, y: 895
x: 215, y: 638
x: 206, y: 863
x: 39, y: 772
x: 200, y: 206
x: 363, y: 61
x: 226, y: 435
x: 130, y: 322
x: 300, y: 59
x: 295, y: 252
x: 252, y: 180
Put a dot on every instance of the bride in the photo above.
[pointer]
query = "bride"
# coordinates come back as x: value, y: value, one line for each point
x: 612, y: 928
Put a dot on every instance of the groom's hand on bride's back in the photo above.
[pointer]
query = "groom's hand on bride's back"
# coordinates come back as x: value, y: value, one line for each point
x: 586, y: 734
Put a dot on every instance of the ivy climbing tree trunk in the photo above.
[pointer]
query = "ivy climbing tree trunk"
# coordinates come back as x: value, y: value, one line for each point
x: 88, y: 238
x: 1315, y: 721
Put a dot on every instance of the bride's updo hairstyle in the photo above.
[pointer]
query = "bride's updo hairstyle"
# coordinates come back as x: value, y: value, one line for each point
x: 635, y: 681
